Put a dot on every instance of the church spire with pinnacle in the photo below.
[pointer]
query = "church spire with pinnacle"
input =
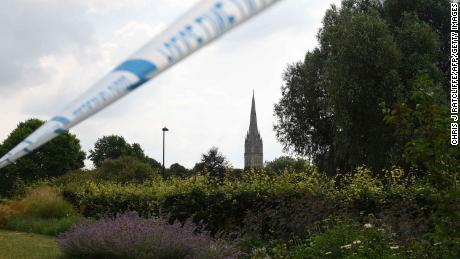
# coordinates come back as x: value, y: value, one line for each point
x: 253, y: 146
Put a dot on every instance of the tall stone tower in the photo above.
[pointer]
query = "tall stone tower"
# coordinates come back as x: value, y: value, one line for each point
x: 253, y: 146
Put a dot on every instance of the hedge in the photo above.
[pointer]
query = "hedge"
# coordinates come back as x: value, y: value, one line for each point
x: 279, y: 206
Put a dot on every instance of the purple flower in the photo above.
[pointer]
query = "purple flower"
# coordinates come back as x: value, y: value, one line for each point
x: 130, y: 236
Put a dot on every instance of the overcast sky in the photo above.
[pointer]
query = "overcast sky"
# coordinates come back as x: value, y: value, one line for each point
x: 53, y: 50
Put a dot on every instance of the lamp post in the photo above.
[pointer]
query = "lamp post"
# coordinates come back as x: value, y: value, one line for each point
x: 164, y: 129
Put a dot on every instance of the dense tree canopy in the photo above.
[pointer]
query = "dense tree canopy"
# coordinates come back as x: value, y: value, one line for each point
x: 286, y: 163
x: 112, y: 147
x: 371, y: 55
x: 52, y: 159
x: 178, y: 170
x: 213, y: 163
x: 126, y: 169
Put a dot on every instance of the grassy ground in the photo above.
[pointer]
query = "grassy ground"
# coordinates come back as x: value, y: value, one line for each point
x: 24, y: 245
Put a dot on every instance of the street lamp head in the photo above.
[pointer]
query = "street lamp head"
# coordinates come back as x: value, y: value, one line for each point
x: 165, y: 129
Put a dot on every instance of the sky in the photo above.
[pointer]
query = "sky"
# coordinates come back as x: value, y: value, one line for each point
x: 52, y: 51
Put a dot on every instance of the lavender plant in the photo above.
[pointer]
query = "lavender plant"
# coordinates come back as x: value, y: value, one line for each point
x: 130, y: 236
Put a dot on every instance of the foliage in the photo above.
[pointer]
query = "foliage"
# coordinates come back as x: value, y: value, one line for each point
x: 213, y: 163
x: 426, y: 126
x: 347, y: 239
x: 286, y: 163
x: 52, y: 159
x: 447, y: 223
x: 362, y: 186
x: 287, y: 216
x: 43, y: 202
x: 44, y: 226
x: 435, y: 14
x: 46, y: 203
x: 122, y: 170
x: 9, y: 209
x: 126, y: 169
x: 76, y: 178
x: 221, y: 207
x: 42, y: 211
x: 287, y: 206
x: 267, y: 206
x: 371, y: 53
x: 112, y: 147
x: 130, y: 236
x: 25, y: 245
x: 329, y: 108
x: 341, y: 238
x: 178, y: 170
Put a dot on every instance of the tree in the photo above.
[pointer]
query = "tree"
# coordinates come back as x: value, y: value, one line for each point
x: 126, y: 169
x: 213, y: 162
x: 154, y: 163
x: 283, y: 163
x: 426, y: 127
x: 178, y: 170
x: 50, y: 160
x: 112, y: 147
x: 109, y: 147
x: 368, y: 58
x: 435, y: 14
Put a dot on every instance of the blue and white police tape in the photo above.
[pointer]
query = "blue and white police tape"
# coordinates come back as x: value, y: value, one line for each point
x: 205, y: 22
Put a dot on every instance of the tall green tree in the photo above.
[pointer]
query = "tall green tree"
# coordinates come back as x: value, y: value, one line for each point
x: 52, y: 159
x: 113, y: 146
x: 214, y: 163
x: 432, y: 14
x: 425, y: 126
x: 178, y: 170
x: 370, y: 55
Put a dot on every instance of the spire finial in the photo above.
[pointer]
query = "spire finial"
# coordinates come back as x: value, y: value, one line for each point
x: 253, y: 118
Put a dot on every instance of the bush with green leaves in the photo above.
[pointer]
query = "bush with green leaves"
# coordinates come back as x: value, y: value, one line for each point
x: 286, y: 163
x: 221, y: 206
x: 53, y: 159
x: 284, y: 205
x: 46, y: 202
x: 122, y: 170
x: 348, y: 239
x: 126, y: 169
x: 337, y: 238
x: 43, y: 211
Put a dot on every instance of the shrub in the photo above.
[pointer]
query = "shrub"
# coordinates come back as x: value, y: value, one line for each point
x: 122, y: 170
x: 41, y: 202
x: 45, y: 202
x: 221, y: 207
x: 406, y: 219
x: 126, y: 169
x: 76, y: 177
x: 361, y: 190
x: 339, y: 238
x: 11, y: 208
x: 130, y: 236
x: 349, y: 239
x: 51, y: 226
x: 280, y: 206
x: 42, y: 211
x: 288, y: 216
x: 444, y: 241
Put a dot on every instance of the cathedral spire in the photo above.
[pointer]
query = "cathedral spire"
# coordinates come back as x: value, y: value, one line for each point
x: 253, y: 122
x: 253, y: 146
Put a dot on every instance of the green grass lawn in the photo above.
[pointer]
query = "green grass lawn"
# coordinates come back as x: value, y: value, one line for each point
x: 24, y: 245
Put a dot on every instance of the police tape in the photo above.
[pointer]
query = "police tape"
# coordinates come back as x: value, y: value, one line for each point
x: 204, y: 23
